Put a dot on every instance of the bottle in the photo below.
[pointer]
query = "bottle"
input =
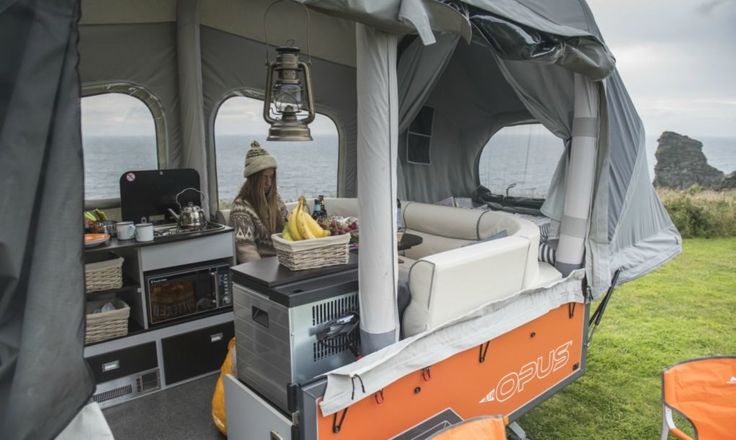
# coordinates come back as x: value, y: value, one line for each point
x: 323, y: 208
x: 317, y: 211
x: 399, y: 222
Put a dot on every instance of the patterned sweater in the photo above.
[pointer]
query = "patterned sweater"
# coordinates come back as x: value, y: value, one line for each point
x: 252, y: 237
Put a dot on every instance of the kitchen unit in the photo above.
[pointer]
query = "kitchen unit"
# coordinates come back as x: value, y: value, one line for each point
x: 179, y: 291
x: 291, y: 327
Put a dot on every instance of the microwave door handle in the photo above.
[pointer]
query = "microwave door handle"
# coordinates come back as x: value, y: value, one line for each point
x: 215, y: 286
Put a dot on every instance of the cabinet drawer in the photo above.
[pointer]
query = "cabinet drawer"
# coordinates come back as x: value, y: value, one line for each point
x: 195, y: 353
x: 120, y: 363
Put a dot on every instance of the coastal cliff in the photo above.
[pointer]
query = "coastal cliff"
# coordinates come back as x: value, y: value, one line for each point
x: 682, y: 164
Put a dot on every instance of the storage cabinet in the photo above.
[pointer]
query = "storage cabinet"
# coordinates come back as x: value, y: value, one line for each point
x: 120, y: 363
x: 195, y: 353
x: 152, y: 357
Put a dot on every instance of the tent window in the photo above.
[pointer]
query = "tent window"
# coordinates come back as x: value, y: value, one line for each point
x: 419, y: 137
x: 304, y: 168
x: 520, y: 160
x: 118, y: 135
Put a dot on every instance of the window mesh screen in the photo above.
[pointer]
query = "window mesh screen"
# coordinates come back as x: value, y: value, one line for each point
x: 419, y: 137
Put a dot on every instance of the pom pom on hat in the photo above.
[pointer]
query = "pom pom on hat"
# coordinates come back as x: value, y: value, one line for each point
x: 257, y: 159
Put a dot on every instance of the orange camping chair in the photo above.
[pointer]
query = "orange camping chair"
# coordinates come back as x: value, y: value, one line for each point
x: 482, y: 428
x: 703, y: 391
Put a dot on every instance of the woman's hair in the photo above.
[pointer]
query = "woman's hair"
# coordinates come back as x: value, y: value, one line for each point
x: 265, y: 204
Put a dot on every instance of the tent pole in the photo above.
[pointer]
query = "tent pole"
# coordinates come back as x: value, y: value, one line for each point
x: 191, y: 105
x: 580, y: 177
x: 377, y: 155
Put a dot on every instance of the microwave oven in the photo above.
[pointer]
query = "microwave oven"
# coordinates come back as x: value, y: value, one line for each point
x: 180, y: 293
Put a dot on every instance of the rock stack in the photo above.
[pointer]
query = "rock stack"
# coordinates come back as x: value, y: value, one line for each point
x: 682, y: 164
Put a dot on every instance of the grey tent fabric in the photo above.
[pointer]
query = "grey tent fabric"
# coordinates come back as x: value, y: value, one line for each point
x: 419, y: 69
x: 115, y: 54
x: 642, y: 236
x: 190, y: 92
x: 44, y: 380
x: 464, y: 119
x: 584, y: 55
x: 400, y: 16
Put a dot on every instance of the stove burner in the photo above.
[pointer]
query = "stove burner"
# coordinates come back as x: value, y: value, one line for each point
x: 169, y: 229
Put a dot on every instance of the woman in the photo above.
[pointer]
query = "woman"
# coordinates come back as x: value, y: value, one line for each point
x: 257, y: 211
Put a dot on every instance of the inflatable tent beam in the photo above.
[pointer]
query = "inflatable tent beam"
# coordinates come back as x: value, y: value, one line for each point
x: 377, y: 154
x: 191, y: 105
x: 580, y: 176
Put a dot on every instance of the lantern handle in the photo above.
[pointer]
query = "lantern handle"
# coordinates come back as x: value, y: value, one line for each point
x: 265, y: 29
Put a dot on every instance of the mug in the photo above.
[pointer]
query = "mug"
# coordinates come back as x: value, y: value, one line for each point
x: 144, y: 232
x: 125, y: 230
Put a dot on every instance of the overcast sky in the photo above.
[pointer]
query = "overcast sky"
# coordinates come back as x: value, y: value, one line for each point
x: 677, y: 59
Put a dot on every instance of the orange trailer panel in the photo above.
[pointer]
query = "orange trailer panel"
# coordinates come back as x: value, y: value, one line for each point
x: 498, y: 377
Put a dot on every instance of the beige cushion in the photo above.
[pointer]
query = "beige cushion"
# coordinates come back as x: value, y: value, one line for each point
x: 444, y: 286
x: 547, y: 275
x: 223, y: 217
x: 342, y: 206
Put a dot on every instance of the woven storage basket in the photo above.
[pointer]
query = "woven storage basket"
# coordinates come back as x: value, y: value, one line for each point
x: 106, y: 325
x: 104, y: 275
x: 311, y: 254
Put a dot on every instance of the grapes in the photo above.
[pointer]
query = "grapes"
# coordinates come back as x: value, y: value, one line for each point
x: 343, y: 225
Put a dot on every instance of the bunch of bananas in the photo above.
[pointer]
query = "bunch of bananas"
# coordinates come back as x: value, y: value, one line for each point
x: 95, y: 215
x: 301, y: 226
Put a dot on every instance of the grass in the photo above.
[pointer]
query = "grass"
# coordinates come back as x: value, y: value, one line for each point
x: 685, y: 309
x: 701, y: 213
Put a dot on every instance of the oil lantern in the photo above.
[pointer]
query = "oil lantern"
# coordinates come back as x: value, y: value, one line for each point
x: 288, y: 105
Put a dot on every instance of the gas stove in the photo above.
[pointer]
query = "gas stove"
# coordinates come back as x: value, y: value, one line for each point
x: 169, y: 229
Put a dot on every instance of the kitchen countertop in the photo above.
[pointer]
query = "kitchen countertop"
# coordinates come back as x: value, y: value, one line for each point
x: 293, y: 288
x: 114, y: 244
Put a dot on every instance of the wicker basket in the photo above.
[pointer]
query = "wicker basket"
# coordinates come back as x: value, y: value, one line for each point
x: 311, y: 254
x: 104, y: 275
x: 106, y: 325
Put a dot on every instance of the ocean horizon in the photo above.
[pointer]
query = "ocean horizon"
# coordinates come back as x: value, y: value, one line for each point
x: 310, y: 168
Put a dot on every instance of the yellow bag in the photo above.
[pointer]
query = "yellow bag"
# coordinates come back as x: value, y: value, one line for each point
x: 219, y: 414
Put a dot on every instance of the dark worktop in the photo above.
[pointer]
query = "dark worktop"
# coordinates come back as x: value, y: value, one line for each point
x: 293, y: 288
x: 114, y: 244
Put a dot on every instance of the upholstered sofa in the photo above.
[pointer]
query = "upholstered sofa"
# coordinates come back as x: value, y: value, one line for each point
x: 467, y: 258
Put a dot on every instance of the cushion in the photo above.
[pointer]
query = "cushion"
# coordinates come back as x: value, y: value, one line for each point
x: 547, y: 252
x: 447, y: 285
x: 500, y: 234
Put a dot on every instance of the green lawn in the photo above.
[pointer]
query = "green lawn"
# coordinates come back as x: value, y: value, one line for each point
x: 686, y: 309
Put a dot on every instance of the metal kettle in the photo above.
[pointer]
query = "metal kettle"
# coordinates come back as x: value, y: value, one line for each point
x: 190, y: 216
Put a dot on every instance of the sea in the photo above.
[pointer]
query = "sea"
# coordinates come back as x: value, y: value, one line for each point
x: 310, y: 168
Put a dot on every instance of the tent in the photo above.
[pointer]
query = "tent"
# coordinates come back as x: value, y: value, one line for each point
x: 480, y: 64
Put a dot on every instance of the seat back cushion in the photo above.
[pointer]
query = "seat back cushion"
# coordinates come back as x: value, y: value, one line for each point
x: 443, y: 228
x: 223, y: 217
x: 342, y: 206
x: 447, y: 285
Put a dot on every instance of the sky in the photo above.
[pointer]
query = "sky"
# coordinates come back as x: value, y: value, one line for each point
x: 677, y: 59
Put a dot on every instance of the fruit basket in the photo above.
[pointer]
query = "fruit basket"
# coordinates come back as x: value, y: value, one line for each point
x: 311, y: 254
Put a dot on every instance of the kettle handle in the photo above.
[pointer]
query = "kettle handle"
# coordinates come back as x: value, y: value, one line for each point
x: 204, y: 198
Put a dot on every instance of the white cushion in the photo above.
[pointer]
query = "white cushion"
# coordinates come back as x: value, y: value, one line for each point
x: 547, y: 275
x: 444, y: 286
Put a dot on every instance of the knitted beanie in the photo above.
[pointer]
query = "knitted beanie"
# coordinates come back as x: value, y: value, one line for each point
x: 257, y: 159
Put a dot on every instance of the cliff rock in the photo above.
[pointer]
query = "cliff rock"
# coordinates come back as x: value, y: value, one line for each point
x: 682, y: 164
